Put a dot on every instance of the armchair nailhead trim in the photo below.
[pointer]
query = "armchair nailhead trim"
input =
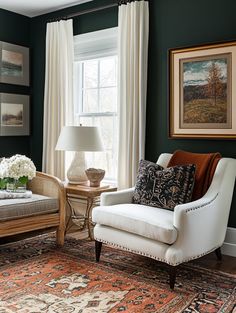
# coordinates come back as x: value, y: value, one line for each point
x: 197, y: 256
x: 130, y: 250
x: 154, y: 257
x: 202, y: 205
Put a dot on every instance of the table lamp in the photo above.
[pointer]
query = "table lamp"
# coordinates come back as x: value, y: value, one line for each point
x: 79, y: 139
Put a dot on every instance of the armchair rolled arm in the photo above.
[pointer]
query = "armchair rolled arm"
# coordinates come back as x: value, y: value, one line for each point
x: 201, y: 227
x: 202, y: 224
x: 117, y: 197
x: 194, y: 205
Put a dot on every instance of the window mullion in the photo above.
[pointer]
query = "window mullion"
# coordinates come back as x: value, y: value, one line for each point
x: 81, y: 88
x: 98, y: 114
x: 98, y: 91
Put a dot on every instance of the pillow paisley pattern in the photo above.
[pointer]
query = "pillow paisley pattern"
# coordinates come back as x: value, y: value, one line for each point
x: 164, y: 188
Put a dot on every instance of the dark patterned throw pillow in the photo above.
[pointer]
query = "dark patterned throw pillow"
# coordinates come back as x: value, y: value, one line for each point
x: 164, y: 188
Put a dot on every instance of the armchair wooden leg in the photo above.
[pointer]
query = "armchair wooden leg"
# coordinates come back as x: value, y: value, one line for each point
x: 218, y: 254
x: 172, y: 276
x: 98, y: 248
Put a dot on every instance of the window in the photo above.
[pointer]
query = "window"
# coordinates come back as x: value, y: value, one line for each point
x: 95, y: 94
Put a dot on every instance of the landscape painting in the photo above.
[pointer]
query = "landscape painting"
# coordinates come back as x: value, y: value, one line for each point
x: 14, y: 115
x: 202, y: 89
x: 205, y: 92
x: 11, y: 114
x: 12, y: 63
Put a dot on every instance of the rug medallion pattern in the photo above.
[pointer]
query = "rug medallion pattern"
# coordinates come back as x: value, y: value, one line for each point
x: 36, y: 276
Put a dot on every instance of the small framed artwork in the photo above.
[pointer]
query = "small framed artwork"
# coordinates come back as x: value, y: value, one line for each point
x: 14, y: 64
x: 202, y: 95
x: 14, y: 115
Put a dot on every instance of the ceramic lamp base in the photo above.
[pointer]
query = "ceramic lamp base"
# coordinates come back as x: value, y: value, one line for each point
x: 76, y: 172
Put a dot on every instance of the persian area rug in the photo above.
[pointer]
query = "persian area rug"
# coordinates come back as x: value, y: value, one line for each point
x: 36, y: 276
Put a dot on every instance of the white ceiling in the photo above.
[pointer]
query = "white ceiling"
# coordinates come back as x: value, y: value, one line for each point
x: 37, y: 7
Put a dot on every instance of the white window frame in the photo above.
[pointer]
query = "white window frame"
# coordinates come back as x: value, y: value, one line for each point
x: 94, y: 45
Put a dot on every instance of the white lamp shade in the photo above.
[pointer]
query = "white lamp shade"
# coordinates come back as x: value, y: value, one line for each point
x: 79, y: 138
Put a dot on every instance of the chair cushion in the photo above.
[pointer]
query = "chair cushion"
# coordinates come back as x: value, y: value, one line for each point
x: 19, y: 208
x: 164, y: 188
x: 146, y: 221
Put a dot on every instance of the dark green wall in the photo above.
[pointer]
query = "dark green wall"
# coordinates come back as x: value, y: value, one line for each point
x: 82, y: 24
x: 14, y: 28
x: 175, y: 24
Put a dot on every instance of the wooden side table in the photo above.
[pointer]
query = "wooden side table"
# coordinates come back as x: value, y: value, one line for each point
x: 90, y: 197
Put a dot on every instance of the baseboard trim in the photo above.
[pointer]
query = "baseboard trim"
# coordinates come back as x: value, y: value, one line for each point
x: 229, y: 246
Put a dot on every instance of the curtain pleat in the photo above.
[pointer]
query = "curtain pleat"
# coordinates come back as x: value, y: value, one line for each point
x: 58, y: 93
x: 133, y: 29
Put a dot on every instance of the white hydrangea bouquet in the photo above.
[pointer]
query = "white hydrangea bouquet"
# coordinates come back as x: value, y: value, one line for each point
x: 15, y: 172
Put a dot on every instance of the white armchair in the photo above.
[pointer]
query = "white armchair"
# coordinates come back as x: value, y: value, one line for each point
x: 189, y: 232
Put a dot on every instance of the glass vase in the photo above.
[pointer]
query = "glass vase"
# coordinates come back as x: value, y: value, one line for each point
x: 10, y: 187
x: 16, y: 186
x: 20, y: 187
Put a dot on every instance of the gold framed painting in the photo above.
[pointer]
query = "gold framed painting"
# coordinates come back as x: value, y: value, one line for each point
x: 202, y: 92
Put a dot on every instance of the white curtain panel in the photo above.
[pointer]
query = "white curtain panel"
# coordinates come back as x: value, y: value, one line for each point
x: 58, y: 93
x: 133, y: 29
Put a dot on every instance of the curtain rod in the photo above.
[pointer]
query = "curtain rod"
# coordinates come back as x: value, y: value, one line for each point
x: 83, y: 12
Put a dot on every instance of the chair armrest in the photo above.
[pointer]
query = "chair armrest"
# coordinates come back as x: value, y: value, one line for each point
x: 201, y: 228
x: 47, y: 185
x: 202, y: 224
x: 117, y: 197
x: 50, y: 186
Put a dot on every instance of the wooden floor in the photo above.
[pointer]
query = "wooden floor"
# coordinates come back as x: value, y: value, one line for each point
x: 227, y: 265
